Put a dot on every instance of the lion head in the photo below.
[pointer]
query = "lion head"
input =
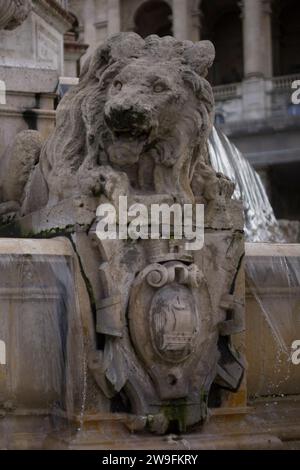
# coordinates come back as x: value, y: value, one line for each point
x: 141, y: 107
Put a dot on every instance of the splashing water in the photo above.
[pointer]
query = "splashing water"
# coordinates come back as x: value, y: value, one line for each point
x: 260, y: 222
x: 274, y: 282
x: 273, y: 277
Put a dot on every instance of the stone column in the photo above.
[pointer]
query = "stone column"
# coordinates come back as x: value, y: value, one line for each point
x: 13, y: 13
x: 257, y: 58
x: 267, y: 33
x: 114, y: 17
x: 253, y: 44
x: 181, y: 19
x: 195, y: 13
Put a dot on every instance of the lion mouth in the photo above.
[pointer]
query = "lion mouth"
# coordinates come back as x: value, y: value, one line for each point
x: 126, y: 146
x: 131, y: 135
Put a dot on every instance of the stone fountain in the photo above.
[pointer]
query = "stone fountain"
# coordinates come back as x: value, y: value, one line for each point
x: 122, y: 335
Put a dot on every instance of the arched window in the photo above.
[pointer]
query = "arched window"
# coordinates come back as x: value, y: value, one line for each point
x: 153, y: 17
x: 222, y: 24
x: 286, y: 37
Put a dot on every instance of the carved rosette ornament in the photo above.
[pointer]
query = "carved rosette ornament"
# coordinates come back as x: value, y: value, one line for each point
x: 137, y: 125
x: 13, y: 13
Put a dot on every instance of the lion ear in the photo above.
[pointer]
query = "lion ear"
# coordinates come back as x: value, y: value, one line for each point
x: 200, y: 56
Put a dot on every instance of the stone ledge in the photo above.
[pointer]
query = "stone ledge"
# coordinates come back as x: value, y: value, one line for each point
x: 261, y: 428
x: 273, y: 122
x: 40, y: 113
x: 17, y: 246
x: 272, y: 249
x: 54, y: 14
x: 29, y: 79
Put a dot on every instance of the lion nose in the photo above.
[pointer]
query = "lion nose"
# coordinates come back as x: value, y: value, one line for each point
x: 120, y: 118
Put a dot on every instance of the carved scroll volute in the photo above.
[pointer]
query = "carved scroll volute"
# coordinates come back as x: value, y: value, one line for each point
x: 170, y: 323
x: 13, y: 13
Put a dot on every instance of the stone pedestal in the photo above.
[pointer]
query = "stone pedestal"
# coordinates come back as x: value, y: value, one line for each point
x: 38, y: 42
x: 31, y: 60
x: 28, y: 104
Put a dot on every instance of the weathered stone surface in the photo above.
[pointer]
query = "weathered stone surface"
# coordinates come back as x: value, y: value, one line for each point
x: 13, y: 13
x: 31, y: 311
x: 137, y: 126
x: 16, y: 168
x: 47, y: 328
x: 31, y: 60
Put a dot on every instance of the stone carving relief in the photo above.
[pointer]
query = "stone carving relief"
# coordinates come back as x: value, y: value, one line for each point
x: 13, y: 13
x: 47, y: 46
x: 137, y: 126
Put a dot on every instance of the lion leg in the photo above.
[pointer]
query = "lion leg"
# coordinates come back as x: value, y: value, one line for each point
x: 16, y: 169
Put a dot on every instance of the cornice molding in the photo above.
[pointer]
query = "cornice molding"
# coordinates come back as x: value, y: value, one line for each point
x: 53, y: 13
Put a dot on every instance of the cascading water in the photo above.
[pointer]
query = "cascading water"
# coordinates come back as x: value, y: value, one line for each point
x: 41, y: 326
x: 273, y: 279
x: 260, y: 222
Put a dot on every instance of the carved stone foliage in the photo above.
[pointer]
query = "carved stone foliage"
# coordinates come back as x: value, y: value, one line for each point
x: 13, y: 13
x: 137, y: 126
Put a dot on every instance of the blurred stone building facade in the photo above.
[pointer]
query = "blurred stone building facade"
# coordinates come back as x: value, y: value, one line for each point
x: 38, y: 47
x: 257, y: 60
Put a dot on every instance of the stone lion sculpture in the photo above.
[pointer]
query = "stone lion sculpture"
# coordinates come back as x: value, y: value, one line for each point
x: 137, y: 125
x: 142, y: 105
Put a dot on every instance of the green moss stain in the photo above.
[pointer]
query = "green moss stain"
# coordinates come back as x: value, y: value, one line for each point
x: 176, y: 412
x: 11, y: 230
x: 55, y: 232
x: 16, y: 230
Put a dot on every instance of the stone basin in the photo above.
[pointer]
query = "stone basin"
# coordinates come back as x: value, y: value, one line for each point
x: 45, y: 330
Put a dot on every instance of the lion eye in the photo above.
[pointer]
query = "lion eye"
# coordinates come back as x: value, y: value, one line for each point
x: 118, y: 85
x: 159, y: 88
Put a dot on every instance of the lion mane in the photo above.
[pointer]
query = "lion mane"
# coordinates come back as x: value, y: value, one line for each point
x: 141, y: 130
